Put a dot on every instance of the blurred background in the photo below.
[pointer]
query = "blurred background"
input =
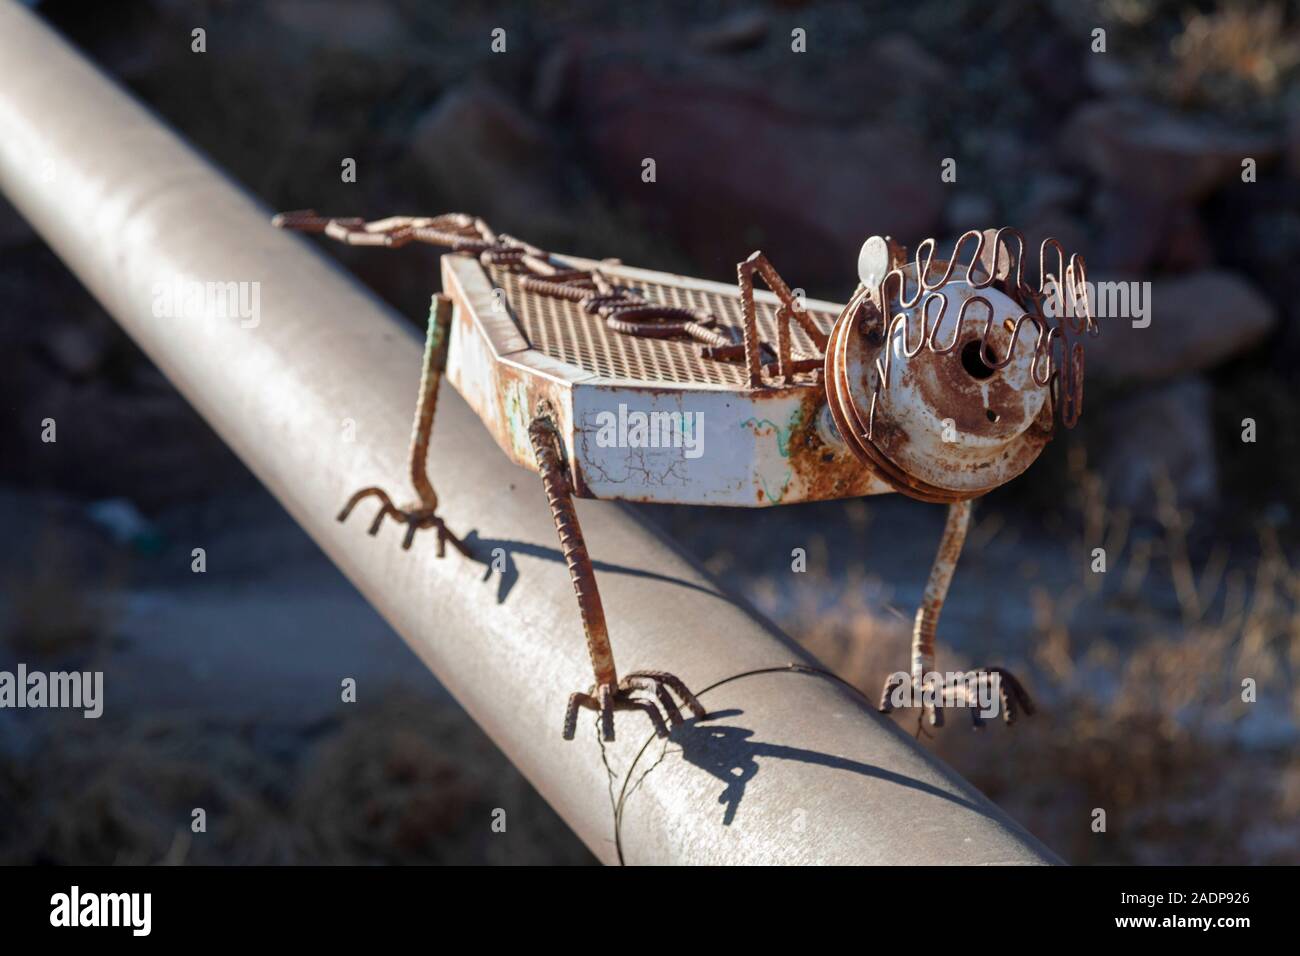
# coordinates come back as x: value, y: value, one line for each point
x: 223, y: 688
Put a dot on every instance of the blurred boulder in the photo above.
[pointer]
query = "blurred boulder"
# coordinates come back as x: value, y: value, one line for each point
x: 1110, y: 76
x: 78, y: 349
x: 369, y: 28
x: 490, y: 158
x: 893, y: 76
x: 899, y: 58
x: 1196, y: 322
x: 969, y: 210
x: 1051, y: 190
x: 1186, y: 244
x: 1139, y: 233
x: 1256, y: 228
x: 1054, y: 69
x: 1146, y: 150
x: 1157, y: 433
x: 744, y: 30
x: 735, y: 170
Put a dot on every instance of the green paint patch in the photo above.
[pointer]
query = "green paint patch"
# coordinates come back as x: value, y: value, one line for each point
x: 517, y: 419
x: 765, y: 426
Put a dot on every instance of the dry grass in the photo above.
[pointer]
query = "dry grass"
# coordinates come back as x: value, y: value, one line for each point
x: 406, y: 780
x: 1237, y: 51
x: 1236, y: 58
x: 1147, y: 722
x: 104, y: 794
x: 53, y: 611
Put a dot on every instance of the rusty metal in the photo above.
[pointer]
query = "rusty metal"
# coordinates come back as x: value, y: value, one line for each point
x: 790, y: 309
x: 624, y: 309
x: 422, y: 514
x: 608, y: 694
x: 990, y: 267
x: 995, y: 395
x: 1012, y: 695
x: 936, y: 588
x: 999, y: 422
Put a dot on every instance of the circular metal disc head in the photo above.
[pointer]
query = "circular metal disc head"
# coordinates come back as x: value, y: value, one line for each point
x: 860, y: 320
x: 947, y: 420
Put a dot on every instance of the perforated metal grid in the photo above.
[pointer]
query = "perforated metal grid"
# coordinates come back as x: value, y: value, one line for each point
x: 562, y: 330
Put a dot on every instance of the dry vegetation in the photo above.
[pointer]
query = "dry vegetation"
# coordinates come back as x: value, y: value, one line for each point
x: 406, y: 780
x: 1147, y: 722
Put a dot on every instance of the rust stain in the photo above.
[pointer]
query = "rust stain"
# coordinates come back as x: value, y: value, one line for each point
x: 822, y: 471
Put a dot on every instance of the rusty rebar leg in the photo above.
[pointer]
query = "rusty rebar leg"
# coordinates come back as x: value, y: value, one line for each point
x: 423, y: 513
x: 927, y: 685
x: 608, y: 694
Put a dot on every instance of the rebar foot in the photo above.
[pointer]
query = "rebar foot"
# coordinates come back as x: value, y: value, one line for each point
x: 975, y: 686
x: 916, y: 689
x: 1012, y: 696
x: 606, y: 699
x: 415, y: 519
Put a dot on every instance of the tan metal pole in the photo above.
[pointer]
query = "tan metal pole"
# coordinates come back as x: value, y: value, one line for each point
x: 314, y: 389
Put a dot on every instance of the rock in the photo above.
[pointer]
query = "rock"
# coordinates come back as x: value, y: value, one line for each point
x: 488, y: 157
x: 970, y: 211
x: 1196, y: 322
x: 1157, y: 433
x: 893, y: 76
x: 735, y: 170
x: 122, y: 521
x: 1145, y: 150
x: 1140, y: 233
x: 1255, y: 227
x: 78, y: 349
x: 1186, y: 245
x: 901, y: 59
x: 1109, y: 76
x: 372, y: 28
x: 740, y: 31
x: 1051, y: 191
x: 1129, y: 229
x: 551, y: 80
x: 1053, y: 68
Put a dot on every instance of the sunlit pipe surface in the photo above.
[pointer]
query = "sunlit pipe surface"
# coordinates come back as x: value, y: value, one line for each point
x: 792, y: 768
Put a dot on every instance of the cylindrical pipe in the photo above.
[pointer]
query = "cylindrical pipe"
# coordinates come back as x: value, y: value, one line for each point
x: 312, y: 382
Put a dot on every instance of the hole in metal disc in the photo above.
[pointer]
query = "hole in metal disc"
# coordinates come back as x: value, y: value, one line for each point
x: 973, y: 362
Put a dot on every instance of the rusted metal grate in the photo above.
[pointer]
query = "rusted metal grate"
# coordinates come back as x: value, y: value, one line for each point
x: 562, y: 330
